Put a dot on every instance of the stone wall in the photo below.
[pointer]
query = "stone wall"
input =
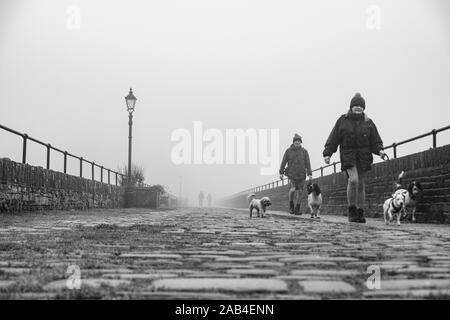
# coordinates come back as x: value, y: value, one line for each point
x: 431, y: 168
x: 27, y: 188
x: 141, y: 197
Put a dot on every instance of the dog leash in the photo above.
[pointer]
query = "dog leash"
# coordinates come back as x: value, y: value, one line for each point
x: 385, y: 157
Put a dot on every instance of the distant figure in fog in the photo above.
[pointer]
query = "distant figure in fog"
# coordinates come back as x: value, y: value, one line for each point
x: 201, y: 196
x: 209, y: 199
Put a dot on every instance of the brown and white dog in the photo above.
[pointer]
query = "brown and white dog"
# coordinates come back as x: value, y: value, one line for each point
x: 394, y: 206
x: 413, y: 194
x: 314, y: 199
x: 260, y: 205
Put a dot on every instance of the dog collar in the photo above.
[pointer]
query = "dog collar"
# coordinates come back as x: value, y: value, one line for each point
x: 395, y: 208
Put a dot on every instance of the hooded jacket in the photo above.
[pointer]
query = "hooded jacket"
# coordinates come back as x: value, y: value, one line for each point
x: 298, y: 164
x: 358, y: 138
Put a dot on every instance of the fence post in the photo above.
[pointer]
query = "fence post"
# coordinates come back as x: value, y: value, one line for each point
x: 116, y: 178
x: 81, y: 167
x: 48, y: 156
x: 334, y: 167
x: 101, y: 174
x: 24, y: 150
x: 394, y: 146
x: 321, y: 171
x: 434, y: 137
x: 65, y: 161
x: 109, y: 173
x: 92, y: 164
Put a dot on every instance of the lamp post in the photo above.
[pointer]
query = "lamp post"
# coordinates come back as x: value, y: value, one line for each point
x: 131, y: 101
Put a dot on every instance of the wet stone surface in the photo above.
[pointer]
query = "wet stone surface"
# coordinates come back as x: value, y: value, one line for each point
x: 200, y: 253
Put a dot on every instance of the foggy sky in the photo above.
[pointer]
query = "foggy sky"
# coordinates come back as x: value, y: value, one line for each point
x: 285, y: 64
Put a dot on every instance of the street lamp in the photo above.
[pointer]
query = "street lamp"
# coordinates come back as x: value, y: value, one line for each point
x: 131, y: 101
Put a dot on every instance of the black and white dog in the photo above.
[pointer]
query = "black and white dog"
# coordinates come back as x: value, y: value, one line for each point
x: 259, y: 205
x: 413, y: 194
x: 314, y: 199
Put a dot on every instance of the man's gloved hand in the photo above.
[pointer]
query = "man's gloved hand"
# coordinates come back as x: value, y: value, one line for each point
x: 309, y: 178
x: 382, y: 154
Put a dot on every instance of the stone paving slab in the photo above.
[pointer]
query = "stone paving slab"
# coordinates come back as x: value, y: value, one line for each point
x: 317, y: 258
x: 160, y: 295
x: 219, y: 284
x: 414, y: 284
x: 415, y: 293
x: 327, y: 286
x: 260, y: 272
x: 131, y: 276
x: 4, y: 284
x: 331, y: 272
x: 62, y: 284
x: 151, y: 255
x: 217, y: 253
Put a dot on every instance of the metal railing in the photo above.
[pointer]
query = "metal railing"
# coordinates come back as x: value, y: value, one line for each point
x: 394, y: 146
x: 66, y: 154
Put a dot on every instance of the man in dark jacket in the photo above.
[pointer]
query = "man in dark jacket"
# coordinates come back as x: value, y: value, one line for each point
x: 298, y: 165
x: 358, y: 139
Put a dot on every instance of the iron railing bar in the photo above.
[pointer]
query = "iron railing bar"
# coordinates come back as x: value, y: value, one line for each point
x: 415, y: 138
x: 442, y: 129
x: 73, y: 156
x: 11, y: 130
x: 50, y: 147
x: 38, y: 141
x: 56, y: 149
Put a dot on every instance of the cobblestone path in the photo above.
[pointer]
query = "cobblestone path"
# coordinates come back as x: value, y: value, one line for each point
x: 218, y: 253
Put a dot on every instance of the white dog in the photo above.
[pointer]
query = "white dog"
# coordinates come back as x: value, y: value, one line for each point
x: 259, y: 204
x: 394, y: 206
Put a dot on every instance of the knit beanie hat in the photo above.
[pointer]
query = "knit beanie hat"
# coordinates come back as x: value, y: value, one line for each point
x: 357, y: 100
x: 297, y: 137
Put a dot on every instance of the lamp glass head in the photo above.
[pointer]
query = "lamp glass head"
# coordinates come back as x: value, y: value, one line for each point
x: 131, y: 101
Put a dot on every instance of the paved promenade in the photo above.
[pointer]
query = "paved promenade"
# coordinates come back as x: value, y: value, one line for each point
x: 202, y: 253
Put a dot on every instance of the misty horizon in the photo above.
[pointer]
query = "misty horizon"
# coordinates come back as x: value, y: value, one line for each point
x: 232, y: 65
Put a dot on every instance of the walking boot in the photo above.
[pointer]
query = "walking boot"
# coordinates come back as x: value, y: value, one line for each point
x: 291, y: 207
x: 360, y: 215
x: 297, y: 210
x: 352, y: 214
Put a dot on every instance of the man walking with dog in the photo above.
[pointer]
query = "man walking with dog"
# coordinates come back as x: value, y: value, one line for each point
x: 298, y: 166
x: 358, y: 137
